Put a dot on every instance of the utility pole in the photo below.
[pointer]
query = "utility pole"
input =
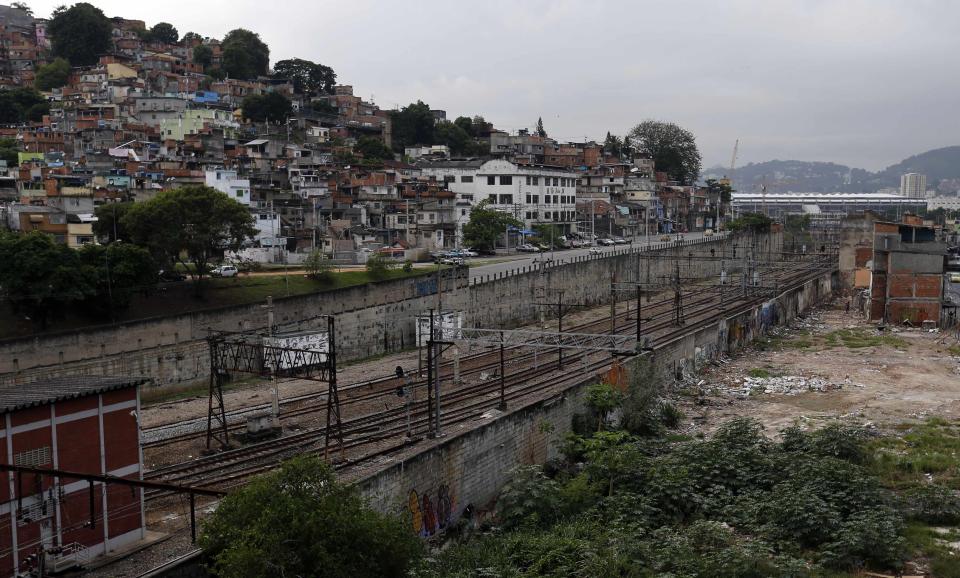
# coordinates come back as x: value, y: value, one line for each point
x: 503, y: 386
x: 613, y: 303
x: 430, y: 402
x: 560, y: 327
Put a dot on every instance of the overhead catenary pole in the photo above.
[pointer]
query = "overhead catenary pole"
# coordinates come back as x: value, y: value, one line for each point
x: 503, y: 387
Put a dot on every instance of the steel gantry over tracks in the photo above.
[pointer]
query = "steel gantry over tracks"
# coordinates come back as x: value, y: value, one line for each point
x: 249, y: 353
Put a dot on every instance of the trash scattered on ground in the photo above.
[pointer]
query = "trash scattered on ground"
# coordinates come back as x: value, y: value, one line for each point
x: 783, y: 385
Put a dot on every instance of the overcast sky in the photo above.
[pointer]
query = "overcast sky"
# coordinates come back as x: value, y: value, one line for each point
x: 859, y: 82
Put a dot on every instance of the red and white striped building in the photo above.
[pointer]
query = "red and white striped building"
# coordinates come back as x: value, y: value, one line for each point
x: 80, y: 424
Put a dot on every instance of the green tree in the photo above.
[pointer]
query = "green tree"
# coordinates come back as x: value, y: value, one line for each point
x: 300, y: 521
x: 17, y: 105
x: 613, y: 145
x: 23, y: 7
x: 36, y: 112
x: 270, y: 107
x: 724, y: 190
x: 165, y: 33
x: 122, y: 270
x: 412, y: 125
x: 372, y: 148
x: 454, y: 136
x: 8, y: 151
x: 53, y: 75
x: 41, y: 277
x: 109, y: 225
x: 203, y: 55
x: 245, y: 56
x: 318, y: 267
x: 486, y: 225
x: 80, y: 34
x: 379, y: 267
x: 751, y: 222
x: 603, y: 398
x: 466, y: 124
x: 673, y: 149
x: 324, y: 107
x: 549, y: 235
x: 540, y: 132
x: 194, y: 223
x: 191, y: 38
x: 307, y: 77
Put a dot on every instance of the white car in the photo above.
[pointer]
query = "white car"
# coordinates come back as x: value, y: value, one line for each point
x: 527, y: 248
x: 605, y: 242
x: 595, y: 251
x: 225, y: 271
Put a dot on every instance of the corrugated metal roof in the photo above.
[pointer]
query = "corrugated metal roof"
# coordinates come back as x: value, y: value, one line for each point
x: 46, y: 391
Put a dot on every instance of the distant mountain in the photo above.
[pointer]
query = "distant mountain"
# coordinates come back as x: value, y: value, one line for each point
x: 942, y: 167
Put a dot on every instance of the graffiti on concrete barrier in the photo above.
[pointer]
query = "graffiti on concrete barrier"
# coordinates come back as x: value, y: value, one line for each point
x: 430, y: 513
x: 426, y: 287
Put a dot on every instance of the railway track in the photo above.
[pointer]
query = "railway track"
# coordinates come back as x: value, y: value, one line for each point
x: 377, y: 433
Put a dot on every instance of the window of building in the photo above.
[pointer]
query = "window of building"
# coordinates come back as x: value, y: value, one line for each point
x: 449, y: 179
x: 491, y: 180
x: 239, y: 193
x: 463, y: 212
x: 433, y: 217
x: 528, y: 217
x: 506, y: 199
x: 506, y: 180
x: 528, y: 180
x: 556, y: 182
x: 466, y: 179
x: 536, y: 199
x: 467, y: 197
x: 528, y: 199
x: 536, y: 181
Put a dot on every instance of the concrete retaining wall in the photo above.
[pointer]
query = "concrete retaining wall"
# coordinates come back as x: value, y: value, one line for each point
x: 371, y: 319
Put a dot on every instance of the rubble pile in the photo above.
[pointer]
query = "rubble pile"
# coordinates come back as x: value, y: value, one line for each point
x: 782, y: 385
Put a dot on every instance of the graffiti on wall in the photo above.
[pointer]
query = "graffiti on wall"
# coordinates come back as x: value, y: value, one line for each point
x: 431, y: 513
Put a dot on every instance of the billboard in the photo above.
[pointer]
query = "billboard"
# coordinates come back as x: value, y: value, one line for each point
x: 319, y: 342
x: 448, y: 324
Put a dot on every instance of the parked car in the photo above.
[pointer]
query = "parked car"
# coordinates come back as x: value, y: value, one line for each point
x: 605, y: 242
x: 708, y: 233
x: 619, y: 241
x: 595, y: 251
x: 452, y: 261
x: 527, y: 248
x: 171, y: 276
x: 225, y: 271
x: 468, y: 252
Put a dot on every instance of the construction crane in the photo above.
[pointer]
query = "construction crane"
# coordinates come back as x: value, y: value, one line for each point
x: 728, y: 178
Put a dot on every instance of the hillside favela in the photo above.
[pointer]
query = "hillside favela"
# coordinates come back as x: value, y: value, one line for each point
x: 468, y: 289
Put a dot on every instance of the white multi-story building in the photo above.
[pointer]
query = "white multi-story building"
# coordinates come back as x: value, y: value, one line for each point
x: 227, y: 181
x: 534, y: 194
x: 266, y: 221
x: 913, y: 185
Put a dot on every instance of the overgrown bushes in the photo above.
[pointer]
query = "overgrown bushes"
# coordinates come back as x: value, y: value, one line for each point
x: 625, y: 500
